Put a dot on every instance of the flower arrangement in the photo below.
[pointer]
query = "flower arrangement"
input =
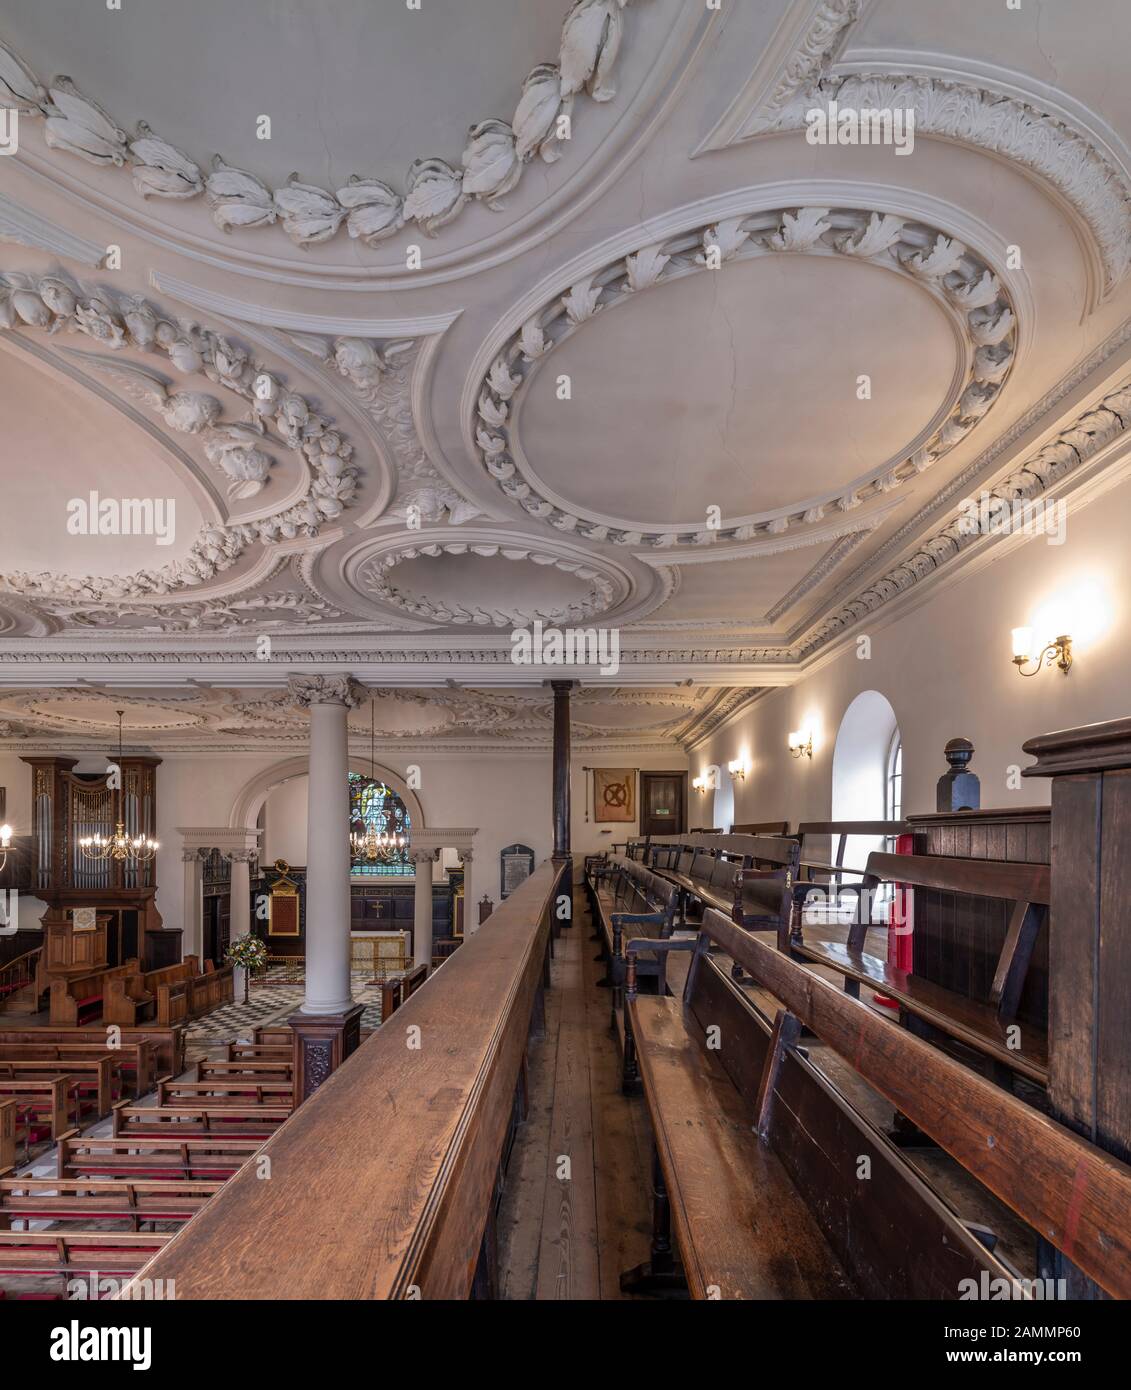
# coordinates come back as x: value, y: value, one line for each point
x: 250, y: 953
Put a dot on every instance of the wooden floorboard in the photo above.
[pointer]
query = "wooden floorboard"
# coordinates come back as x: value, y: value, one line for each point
x: 571, y: 1238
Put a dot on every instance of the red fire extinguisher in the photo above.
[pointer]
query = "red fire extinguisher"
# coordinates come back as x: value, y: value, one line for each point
x: 901, y: 925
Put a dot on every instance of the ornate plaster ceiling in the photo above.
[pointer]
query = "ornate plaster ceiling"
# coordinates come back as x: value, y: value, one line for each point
x: 679, y: 373
x: 202, y: 719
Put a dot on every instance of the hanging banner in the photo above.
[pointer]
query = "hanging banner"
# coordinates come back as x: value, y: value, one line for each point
x: 614, y: 794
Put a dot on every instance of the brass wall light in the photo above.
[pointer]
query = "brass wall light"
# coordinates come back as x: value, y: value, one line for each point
x: 737, y: 768
x: 700, y: 784
x: 1058, y: 650
x: 800, y: 745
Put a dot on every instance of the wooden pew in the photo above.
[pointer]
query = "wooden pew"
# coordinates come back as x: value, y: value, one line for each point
x: 628, y: 896
x: 134, y: 1063
x: 169, y: 1043
x: 274, y: 1037
x: 97, y: 1077
x: 77, y: 1252
x: 136, y: 1201
x: 8, y: 1110
x: 209, y: 1158
x: 198, y: 1120
x: 765, y: 827
x: 749, y: 876
x: 983, y: 1026
x: 399, y: 986
x: 267, y: 1069
x: 830, y: 868
x: 267, y: 1052
x: 891, y: 1236
x: 82, y: 998
x: 46, y: 1103
x: 240, y: 1091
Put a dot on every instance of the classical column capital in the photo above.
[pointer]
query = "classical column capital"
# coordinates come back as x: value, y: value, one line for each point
x: 242, y: 856
x: 465, y: 855
x: 339, y: 689
x: 424, y: 856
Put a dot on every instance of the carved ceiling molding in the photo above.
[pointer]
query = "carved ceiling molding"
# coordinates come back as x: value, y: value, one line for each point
x: 198, y: 719
x: 1044, y: 143
x: 370, y: 209
x: 54, y: 304
x: 21, y: 227
x: 959, y: 485
x: 256, y: 611
x: 959, y: 279
x: 727, y: 704
x: 821, y: 570
x: 381, y: 378
x: 377, y: 573
x: 1092, y: 431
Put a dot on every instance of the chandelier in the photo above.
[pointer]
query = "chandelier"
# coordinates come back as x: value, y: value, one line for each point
x: 119, y: 847
x: 373, y: 846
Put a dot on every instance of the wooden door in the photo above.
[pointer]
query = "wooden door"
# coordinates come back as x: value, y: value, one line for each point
x: 663, y: 796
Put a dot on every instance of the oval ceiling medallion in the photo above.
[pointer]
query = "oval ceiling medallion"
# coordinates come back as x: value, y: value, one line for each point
x: 484, y: 580
x: 933, y: 396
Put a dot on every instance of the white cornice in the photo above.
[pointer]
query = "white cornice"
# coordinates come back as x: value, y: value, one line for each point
x: 20, y: 226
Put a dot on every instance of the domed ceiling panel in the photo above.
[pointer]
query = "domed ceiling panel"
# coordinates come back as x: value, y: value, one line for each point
x: 61, y: 444
x: 739, y: 390
x: 350, y: 87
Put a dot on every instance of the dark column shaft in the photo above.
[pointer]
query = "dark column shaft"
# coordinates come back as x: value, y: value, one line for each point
x: 561, y: 691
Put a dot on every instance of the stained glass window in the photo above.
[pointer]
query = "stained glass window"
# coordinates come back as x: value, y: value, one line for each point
x: 375, y: 805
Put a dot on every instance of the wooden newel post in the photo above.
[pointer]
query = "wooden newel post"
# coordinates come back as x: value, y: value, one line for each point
x: 1090, y: 931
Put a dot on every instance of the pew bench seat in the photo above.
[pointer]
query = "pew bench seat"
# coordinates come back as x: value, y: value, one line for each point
x: 968, y: 1021
x: 195, y: 1159
x: 59, y: 1200
x: 85, y: 1252
x: 742, y: 1229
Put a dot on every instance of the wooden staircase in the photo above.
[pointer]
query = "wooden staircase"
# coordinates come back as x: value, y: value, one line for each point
x: 19, y: 991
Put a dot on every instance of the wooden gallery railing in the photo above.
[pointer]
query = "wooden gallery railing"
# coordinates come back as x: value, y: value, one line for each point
x: 384, y: 1184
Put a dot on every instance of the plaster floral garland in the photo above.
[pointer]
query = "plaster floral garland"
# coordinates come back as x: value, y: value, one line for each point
x: 54, y: 305
x: 436, y: 192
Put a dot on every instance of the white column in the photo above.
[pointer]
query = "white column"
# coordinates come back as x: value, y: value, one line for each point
x: 470, y: 909
x: 422, y: 907
x: 329, y: 699
x: 240, y: 899
x: 192, y: 920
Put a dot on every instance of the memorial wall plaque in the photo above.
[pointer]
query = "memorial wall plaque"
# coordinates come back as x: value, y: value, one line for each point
x: 516, y: 863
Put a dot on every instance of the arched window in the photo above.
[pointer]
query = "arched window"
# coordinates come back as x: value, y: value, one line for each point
x: 373, y: 805
x: 895, y: 778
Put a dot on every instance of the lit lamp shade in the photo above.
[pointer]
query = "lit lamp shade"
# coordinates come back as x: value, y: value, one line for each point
x: 1022, y: 644
x: 795, y: 740
x: 5, y: 837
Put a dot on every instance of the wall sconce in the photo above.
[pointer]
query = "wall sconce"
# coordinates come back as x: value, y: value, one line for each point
x: 737, y: 768
x: 700, y: 784
x: 5, y: 844
x: 799, y: 745
x: 1058, y: 650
